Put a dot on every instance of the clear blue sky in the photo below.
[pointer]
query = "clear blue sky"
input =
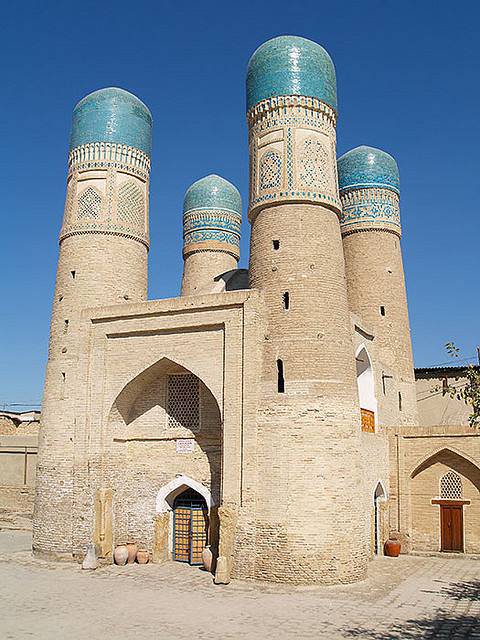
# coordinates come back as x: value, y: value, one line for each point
x: 408, y: 82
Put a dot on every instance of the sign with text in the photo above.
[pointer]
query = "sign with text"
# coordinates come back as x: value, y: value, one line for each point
x: 185, y: 445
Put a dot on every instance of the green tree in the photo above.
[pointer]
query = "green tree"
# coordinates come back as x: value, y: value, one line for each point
x: 470, y: 391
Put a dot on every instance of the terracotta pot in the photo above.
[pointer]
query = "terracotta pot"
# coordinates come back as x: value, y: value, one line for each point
x: 143, y: 556
x: 392, y: 548
x: 120, y: 555
x: 207, y: 557
x: 132, y: 552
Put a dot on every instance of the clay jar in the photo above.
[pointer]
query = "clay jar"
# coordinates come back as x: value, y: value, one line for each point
x: 132, y: 552
x: 120, y: 555
x: 392, y: 548
x: 143, y: 556
x: 207, y: 558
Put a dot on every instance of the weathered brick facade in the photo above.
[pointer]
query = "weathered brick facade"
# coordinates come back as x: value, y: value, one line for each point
x: 288, y: 407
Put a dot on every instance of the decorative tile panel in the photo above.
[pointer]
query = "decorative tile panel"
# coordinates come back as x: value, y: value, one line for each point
x: 364, y: 209
x: 292, y: 150
x: 122, y: 207
x: 212, y: 217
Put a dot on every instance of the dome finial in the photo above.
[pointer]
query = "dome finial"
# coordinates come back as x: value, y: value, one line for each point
x: 365, y: 167
x: 291, y: 65
x: 112, y: 115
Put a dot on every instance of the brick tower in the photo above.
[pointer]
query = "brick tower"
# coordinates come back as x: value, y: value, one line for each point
x: 369, y: 190
x: 309, y: 523
x: 212, y: 217
x: 102, y: 260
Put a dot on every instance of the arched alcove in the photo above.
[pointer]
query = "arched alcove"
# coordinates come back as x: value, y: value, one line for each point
x: 165, y: 429
x: 445, y: 502
x: 379, y: 514
x: 366, y: 389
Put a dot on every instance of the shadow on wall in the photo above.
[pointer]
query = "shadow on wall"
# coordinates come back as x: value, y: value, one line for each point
x: 454, y: 460
x: 443, y: 623
x: 146, y: 408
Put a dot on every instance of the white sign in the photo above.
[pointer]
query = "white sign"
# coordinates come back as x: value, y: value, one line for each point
x: 185, y: 445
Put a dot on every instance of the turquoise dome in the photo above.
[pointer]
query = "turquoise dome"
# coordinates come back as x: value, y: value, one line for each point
x: 290, y: 65
x: 368, y: 167
x: 112, y: 115
x: 213, y: 192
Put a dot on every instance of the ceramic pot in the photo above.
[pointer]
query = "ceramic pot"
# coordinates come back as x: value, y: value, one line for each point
x: 207, y: 557
x: 392, y: 548
x: 120, y: 555
x: 132, y: 552
x: 143, y: 556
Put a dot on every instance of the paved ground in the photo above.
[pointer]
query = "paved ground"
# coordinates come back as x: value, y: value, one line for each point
x: 404, y: 598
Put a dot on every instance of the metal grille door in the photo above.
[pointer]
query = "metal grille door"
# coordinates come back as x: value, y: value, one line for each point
x: 182, y: 534
x: 190, y: 529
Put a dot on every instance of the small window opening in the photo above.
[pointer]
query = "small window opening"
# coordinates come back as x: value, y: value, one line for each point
x: 286, y: 300
x: 280, y: 377
x: 65, y: 326
x: 73, y: 274
x: 276, y: 245
x: 63, y: 385
x: 382, y: 310
x: 60, y: 298
x: 399, y: 401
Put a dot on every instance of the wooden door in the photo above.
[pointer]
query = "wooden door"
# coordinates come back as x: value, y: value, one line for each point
x: 451, y: 521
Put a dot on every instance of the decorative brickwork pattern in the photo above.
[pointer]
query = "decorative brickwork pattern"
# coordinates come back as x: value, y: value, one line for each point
x: 89, y: 203
x: 313, y: 165
x: 270, y: 170
x: 131, y: 204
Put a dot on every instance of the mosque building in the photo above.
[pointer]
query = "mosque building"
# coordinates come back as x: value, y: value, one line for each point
x: 271, y: 414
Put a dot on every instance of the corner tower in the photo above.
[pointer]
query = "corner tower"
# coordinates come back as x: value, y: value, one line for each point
x: 370, y: 222
x: 309, y: 521
x: 212, y: 218
x: 102, y: 261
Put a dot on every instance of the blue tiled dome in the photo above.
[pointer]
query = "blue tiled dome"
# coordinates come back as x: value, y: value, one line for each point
x: 368, y: 167
x: 112, y: 115
x: 290, y: 65
x: 213, y: 192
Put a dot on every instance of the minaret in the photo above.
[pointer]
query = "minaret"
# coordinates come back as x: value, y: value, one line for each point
x: 102, y: 261
x: 309, y: 521
x: 369, y: 190
x: 212, y: 217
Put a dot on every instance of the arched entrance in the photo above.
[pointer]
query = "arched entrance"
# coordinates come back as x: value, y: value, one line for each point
x: 445, y: 503
x: 379, y: 496
x: 366, y: 390
x: 165, y: 426
x: 190, y: 527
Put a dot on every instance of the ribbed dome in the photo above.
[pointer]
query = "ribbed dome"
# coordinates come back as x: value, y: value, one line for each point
x: 368, y: 167
x: 112, y: 115
x: 213, y: 192
x: 290, y: 65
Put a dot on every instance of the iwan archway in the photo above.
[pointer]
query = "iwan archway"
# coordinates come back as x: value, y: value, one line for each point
x: 166, y: 431
x: 445, y: 503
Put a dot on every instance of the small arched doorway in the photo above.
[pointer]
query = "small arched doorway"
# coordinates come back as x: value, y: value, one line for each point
x: 378, y: 497
x: 190, y: 527
x: 366, y: 390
